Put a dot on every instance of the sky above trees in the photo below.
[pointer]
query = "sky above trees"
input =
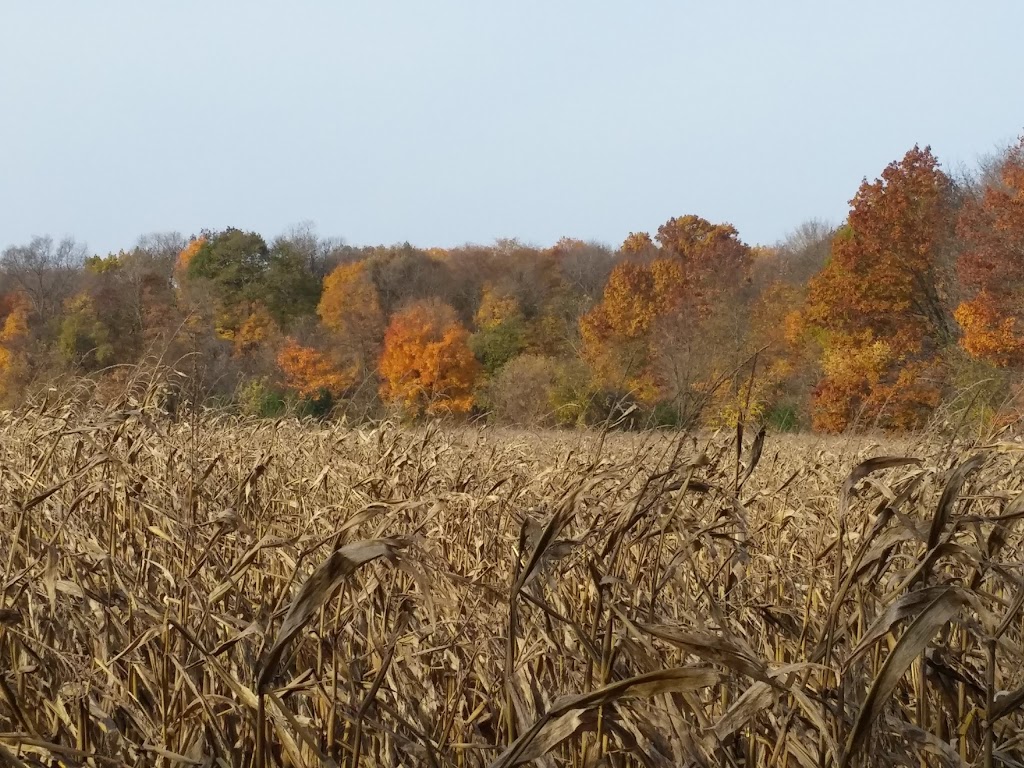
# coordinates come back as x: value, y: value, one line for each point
x: 446, y: 122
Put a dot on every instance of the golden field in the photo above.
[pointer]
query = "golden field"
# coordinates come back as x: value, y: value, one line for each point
x: 221, y: 592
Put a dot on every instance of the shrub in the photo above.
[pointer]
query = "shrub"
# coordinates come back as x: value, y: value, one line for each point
x: 259, y: 398
x: 575, y: 395
x: 783, y: 417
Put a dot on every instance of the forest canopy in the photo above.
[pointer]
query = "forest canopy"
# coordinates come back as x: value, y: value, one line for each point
x: 909, y: 311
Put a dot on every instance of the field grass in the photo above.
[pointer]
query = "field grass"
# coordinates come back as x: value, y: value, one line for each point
x: 224, y: 592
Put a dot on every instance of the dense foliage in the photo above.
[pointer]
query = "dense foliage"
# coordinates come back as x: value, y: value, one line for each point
x: 909, y: 310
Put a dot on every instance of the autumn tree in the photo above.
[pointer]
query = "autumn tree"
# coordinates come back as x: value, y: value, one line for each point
x: 878, y: 306
x: 496, y: 307
x: 774, y: 367
x: 638, y: 244
x: 188, y: 253
x: 617, y: 333
x: 471, y: 268
x: 350, y: 309
x: 775, y: 386
x: 312, y: 373
x: 501, y: 330
x: 15, y: 313
x: 649, y: 335
x: 427, y: 365
x: 991, y: 268
x: 551, y: 287
x: 255, y: 332
x: 715, y: 262
x: 669, y: 312
x: 990, y: 333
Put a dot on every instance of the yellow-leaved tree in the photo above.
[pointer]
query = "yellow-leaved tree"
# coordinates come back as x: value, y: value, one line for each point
x: 496, y: 307
x: 255, y: 331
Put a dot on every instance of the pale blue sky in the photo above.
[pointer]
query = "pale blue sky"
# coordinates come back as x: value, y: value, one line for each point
x: 444, y: 122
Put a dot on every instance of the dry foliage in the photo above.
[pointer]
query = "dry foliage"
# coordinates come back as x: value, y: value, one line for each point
x: 225, y: 592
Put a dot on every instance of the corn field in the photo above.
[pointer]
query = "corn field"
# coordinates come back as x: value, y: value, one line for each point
x: 223, y: 592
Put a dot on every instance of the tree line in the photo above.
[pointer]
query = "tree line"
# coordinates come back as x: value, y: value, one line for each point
x: 911, y: 311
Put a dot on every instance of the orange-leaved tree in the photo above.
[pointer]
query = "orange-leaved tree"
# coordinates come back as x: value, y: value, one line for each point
x: 989, y: 330
x: 657, y: 301
x: 426, y: 364
x: 350, y: 308
x: 312, y: 373
x: 878, y: 306
x: 991, y: 268
x: 15, y: 308
x: 188, y: 253
x: 617, y: 332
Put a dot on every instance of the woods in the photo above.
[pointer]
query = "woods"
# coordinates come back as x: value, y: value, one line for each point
x: 908, y: 311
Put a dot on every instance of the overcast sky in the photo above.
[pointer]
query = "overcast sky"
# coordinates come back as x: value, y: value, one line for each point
x: 443, y: 122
